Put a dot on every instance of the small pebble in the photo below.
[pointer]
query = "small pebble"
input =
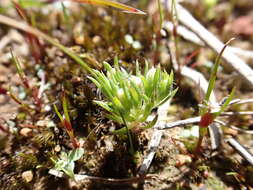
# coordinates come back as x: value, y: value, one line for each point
x: 182, y: 159
x: 96, y: 39
x: 79, y: 39
x: 57, y: 148
x: 27, y: 176
x: 25, y: 132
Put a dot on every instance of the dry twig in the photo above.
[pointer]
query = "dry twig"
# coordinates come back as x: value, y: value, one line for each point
x: 234, y: 127
x: 81, y: 177
x: 240, y: 149
x: 179, y: 123
x: 192, y: 24
x: 155, y: 139
x: 238, y: 113
x: 192, y: 37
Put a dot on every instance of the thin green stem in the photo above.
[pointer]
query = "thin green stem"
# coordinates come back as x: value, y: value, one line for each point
x: 174, y: 19
x: 160, y: 13
x: 203, y: 127
x: 226, y: 103
x: 58, y: 113
x: 65, y: 107
x: 22, y: 26
x: 128, y: 134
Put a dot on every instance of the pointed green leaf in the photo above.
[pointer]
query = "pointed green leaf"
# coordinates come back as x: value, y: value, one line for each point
x: 122, y: 130
x: 116, y: 62
x: 65, y: 107
x: 226, y: 103
x: 118, y: 104
x: 152, y: 123
x: 58, y: 113
x: 103, y: 105
x: 114, y: 117
x: 212, y: 80
x: 75, y: 154
x: 94, y: 81
x: 114, y: 4
x: 69, y: 169
x: 171, y: 95
x: 137, y: 69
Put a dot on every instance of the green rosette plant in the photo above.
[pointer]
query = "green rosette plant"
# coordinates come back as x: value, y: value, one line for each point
x: 131, y: 98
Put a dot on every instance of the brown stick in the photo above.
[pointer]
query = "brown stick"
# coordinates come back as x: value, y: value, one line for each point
x: 81, y: 177
x: 192, y: 37
x: 213, y: 42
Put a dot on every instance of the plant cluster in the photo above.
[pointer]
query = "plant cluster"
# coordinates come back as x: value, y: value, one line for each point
x: 131, y: 98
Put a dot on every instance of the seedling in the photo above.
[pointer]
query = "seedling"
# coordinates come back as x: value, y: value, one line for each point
x: 132, y: 97
x: 33, y: 91
x: 66, y: 162
x: 208, y: 115
x: 65, y: 120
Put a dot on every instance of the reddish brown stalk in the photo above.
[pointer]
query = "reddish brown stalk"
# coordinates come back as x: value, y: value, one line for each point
x: 198, y: 147
x: 189, y: 58
x: 21, y: 12
x: 205, y: 121
x: 37, y: 100
x: 34, y: 91
x: 25, y: 81
x: 35, y: 46
x: 15, y: 98
x: 67, y: 125
x: 75, y: 143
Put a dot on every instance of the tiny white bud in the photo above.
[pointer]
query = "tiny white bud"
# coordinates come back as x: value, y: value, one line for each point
x: 137, y: 45
x: 151, y: 73
x: 129, y: 39
x: 120, y: 93
x: 136, y: 80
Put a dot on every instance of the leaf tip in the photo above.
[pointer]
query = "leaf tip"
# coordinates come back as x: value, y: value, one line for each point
x: 135, y: 11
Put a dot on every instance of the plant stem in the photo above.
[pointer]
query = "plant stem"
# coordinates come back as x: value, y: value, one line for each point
x: 128, y: 134
x: 22, y: 26
x: 160, y: 13
x: 202, y: 133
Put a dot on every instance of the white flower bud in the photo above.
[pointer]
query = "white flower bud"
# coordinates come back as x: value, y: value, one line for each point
x: 150, y: 74
x: 136, y: 80
x: 120, y: 93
